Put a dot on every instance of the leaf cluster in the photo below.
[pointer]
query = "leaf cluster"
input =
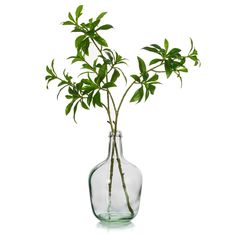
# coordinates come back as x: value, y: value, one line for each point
x: 90, y: 31
x: 147, y: 82
x: 170, y: 61
x: 173, y: 60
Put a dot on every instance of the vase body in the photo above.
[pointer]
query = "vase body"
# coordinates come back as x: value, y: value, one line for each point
x: 115, y: 185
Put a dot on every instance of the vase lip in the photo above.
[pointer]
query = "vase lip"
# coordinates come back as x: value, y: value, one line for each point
x: 118, y: 134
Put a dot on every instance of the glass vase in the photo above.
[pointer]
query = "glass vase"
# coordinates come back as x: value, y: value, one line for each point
x: 115, y: 185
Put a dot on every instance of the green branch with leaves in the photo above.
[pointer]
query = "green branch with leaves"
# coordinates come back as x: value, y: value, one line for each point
x: 97, y: 79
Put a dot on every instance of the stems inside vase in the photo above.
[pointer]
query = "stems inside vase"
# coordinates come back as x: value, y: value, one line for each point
x: 123, y: 180
x: 110, y: 181
x: 120, y: 169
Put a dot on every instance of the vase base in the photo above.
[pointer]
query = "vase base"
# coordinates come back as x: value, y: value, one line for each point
x: 115, y: 217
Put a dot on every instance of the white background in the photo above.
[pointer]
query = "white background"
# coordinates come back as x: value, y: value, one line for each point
x: 181, y: 139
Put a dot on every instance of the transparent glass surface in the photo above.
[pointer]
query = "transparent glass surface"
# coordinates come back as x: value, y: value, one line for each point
x: 115, y: 185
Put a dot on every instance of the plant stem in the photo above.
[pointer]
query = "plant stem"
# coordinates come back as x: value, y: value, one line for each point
x: 110, y: 181
x: 122, y: 178
x: 120, y: 104
x: 100, y: 50
x: 109, y: 116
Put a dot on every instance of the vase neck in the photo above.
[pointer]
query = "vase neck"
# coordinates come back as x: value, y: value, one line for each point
x: 115, y: 145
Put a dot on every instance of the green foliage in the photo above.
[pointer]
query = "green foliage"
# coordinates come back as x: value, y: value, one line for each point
x: 138, y: 95
x: 142, y: 66
x: 97, y: 99
x: 172, y: 60
x: 97, y: 78
x: 148, y: 87
x: 100, y: 40
x: 105, y: 27
x: 78, y: 12
x: 101, y: 15
x: 115, y: 76
x: 166, y: 45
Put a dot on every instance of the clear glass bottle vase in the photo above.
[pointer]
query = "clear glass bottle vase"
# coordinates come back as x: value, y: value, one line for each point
x: 115, y: 185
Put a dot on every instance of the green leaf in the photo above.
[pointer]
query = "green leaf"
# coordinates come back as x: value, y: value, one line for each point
x: 191, y: 48
x: 52, y: 66
x: 183, y: 60
x: 89, y: 98
x: 146, y: 94
x: 105, y: 27
x: 85, y: 46
x: 166, y: 44
x: 78, y: 41
x: 102, y: 71
x: 86, y: 81
x: 100, y: 40
x: 88, y: 89
x: 182, y: 69
x: 68, y: 23
x: 160, y: 50
x: 168, y: 69
x: 49, y: 71
x: 84, y: 105
x: 94, y: 24
x: 76, y: 59
x: 194, y: 53
x: 62, y: 83
x: 68, y: 107
x: 151, y: 49
x: 145, y: 76
x: 142, y: 65
x: 154, y: 61
x: 67, y: 76
x: 97, y: 100
x: 78, y: 87
x: 71, y: 91
x: 119, y: 59
x: 101, y: 15
x: 107, y: 49
x: 110, y: 56
x: 151, y: 88
x: 123, y: 74
x: 71, y: 17
x: 135, y: 77
x: 48, y: 77
x: 195, y: 59
x: 95, y: 62
x: 138, y: 95
x: 75, y: 111
x: 78, y: 29
x: 98, y: 80
x: 108, y: 85
x: 79, y: 11
x: 87, y: 66
x: 154, y: 78
x: 115, y: 76
x: 174, y: 52
x: 157, y: 46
